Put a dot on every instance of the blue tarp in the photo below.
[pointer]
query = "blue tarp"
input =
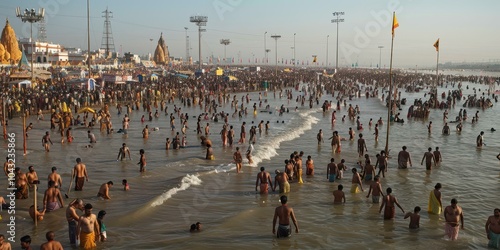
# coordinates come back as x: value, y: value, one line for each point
x: 182, y: 76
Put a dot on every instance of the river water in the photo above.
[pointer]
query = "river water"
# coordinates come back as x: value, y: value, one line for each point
x: 180, y: 187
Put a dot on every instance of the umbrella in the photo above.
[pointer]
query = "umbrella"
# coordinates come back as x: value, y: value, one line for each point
x: 86, y: 109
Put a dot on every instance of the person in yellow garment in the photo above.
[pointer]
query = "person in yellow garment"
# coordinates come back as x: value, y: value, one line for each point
x: 87, y: 230
x: 356, y: 182
x: 298, y: 168
x: 435, y: 204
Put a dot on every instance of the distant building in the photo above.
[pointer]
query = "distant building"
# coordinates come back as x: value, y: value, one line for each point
x: 43, y: 53
x: 132, y: 58
x: 48, y: 54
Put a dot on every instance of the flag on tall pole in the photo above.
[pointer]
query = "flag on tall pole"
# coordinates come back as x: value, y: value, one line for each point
x: 434, y: 90
x: 436, y: 45
x: 395, y: 23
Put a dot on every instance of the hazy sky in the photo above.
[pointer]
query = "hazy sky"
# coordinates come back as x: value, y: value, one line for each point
x: 468, y: 30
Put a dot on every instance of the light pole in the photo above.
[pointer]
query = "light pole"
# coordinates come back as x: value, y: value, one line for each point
x: 327, y: 50
x: 150, y: 48
x: 380, y: 57
x: 187, y: 45
x: 88, y: 39
x: 225, y: 42
x: 200, y: 21
x: 294, y: 49
x: 337, y: 20
x: 31, y: 16
x: 276, y: 37
x: 265, y: 47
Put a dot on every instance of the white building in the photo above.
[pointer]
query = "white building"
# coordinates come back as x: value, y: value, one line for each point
x: 43, y: 53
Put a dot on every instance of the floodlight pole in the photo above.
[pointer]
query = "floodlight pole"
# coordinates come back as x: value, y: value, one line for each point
x: 31, y: 16
x: 225, y: 42
x: 265, y: 47
x: 380, y: 57
x: 337, y: 20
x: 327, y: 50
x: 276, y: 37
x: 199, y: 21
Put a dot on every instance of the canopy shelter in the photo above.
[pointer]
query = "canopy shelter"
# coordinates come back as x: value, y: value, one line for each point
x: 182, y: 76
x: 86, y: 109
x: 115, y: 79
x: 83, y: 83
x: 20, y: 84
x: 20, y: 75
x: 154, y: 77
x: 219, y: 71
x: 185, y: 72
x: 42, y: 74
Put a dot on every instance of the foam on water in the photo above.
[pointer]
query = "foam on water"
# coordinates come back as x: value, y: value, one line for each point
x: 221, y: 168
x: 267, y: 149
x: 186, y: 182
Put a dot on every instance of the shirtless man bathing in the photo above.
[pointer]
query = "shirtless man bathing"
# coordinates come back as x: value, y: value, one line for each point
x: 265, y: 181
x: 493, y: 229
x: 87, y: 230
x: 284, y: 213
x: 454, y: 217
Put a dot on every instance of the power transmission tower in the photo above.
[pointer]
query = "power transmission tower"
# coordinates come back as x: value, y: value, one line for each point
x: 42, y: 32
x: 107, y: 42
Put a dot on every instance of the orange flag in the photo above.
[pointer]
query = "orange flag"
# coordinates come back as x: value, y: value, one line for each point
x: 436, y: 45
x: 395, y: 23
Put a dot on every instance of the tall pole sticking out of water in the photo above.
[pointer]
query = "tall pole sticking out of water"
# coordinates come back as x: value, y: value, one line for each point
x: 395, y: 24
x: 436, y: 45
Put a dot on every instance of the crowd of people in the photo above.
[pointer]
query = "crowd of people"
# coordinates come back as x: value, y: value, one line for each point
x: 208, y: 92
x: 453, y: 214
